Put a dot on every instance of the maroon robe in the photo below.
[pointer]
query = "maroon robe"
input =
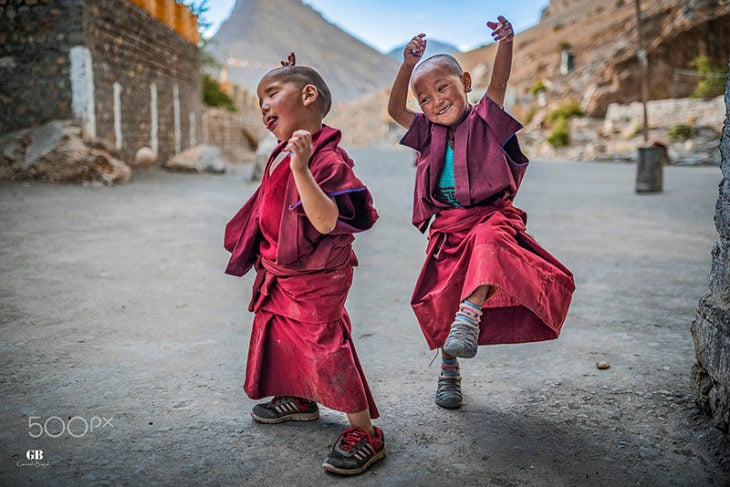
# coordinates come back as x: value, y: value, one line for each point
x: 484, y: 242
x: 301, y: 343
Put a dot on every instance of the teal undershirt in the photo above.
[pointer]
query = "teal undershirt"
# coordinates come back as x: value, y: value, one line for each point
x: 446, y: 190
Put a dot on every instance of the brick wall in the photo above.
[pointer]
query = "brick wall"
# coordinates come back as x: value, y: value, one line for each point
x: 130, y: 78
x: 35, y: 82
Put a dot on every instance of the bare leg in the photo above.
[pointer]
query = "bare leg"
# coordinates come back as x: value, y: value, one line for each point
x: 361, y: 419
x: 481, y: 294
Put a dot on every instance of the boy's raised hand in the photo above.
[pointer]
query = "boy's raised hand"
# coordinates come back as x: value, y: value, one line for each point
x: 414, y: 50
x: 501, y: 30
x: 300, y: 148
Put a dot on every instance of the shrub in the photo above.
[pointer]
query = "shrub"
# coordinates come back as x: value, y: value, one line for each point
x: 563, y: 46
x: 537, y: 87
x: 564, y: 111
x: 712, y: 78
x: 560, y: 135
x: 635, y: 129
x: 530, y: 115
x: 214, y: 96
x: 679, y: 132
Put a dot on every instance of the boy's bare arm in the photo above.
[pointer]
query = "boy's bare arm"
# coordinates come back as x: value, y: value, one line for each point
x: 321, y: 210
x: 502, y: 33
x: 398, y: 100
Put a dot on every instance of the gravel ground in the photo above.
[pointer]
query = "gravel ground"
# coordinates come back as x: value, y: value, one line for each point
x: 124, y: 344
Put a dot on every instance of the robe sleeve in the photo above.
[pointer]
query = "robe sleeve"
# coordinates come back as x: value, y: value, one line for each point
x: 241, y: 237
x: 504, y: 128
x: 332, y: 170
x: 418, y: 133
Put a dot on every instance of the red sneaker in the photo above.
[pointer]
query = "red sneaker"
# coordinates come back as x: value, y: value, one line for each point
x: 285, y: 408
x: 355, y: 450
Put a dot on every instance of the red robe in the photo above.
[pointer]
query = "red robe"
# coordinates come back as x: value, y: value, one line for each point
x: 485, y: 241
x: 301, y: 342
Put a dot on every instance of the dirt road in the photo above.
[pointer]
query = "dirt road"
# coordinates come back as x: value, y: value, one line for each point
x: 124, y: 344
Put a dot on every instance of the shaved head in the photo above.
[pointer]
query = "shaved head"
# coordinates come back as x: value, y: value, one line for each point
x: 302, y: 76
x: 442, y: 61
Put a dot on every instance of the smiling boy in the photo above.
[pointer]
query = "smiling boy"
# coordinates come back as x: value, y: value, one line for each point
x: 484, y: 280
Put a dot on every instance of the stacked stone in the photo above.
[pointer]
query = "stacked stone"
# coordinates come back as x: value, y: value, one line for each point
x: 711, y: 327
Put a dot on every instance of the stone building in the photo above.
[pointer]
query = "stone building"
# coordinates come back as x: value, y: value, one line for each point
x: 128, y: 71
x: 711, y: 327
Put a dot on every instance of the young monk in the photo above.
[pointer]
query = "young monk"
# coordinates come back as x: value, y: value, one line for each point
x: 485, y: 280
x: 296, y: 231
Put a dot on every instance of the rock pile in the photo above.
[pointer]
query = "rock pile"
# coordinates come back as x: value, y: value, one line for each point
x: 60, y: 151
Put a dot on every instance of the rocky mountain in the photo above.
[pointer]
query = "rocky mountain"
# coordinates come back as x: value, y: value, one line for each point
x: 599, y: 39
x: 260, y: 33
x: 433, y: 46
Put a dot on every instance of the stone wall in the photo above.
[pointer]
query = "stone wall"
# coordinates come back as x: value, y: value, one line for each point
x: 35, y: 68
x: 131, y: 79
x: 237, y: 134
x: 711, y: 327
x: 667, y: 113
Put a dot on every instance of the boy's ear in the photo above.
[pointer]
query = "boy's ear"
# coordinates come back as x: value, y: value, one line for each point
x: 466, y: 80
x: 310, y: 93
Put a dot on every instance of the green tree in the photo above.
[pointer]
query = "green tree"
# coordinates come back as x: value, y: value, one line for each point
x: 214, y: 96
x: 199, y: 9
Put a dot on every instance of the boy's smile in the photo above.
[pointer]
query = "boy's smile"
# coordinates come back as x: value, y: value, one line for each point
x: 441, y: 93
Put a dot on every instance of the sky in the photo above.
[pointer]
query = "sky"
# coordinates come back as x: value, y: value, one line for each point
x: 387, y: 24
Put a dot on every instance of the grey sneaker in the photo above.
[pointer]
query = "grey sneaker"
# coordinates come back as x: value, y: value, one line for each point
x: 355, y: 450
x: 285, y: 408
x: 448, y: 392
x: 462, y: 339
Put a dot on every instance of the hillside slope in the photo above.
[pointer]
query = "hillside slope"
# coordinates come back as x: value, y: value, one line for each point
x: 260, y: 33
x: 602, y: 38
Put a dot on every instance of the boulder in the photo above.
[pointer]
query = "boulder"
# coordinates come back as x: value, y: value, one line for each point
x: 144, y: 157
x: 59, y: 151
x: 198, y: 159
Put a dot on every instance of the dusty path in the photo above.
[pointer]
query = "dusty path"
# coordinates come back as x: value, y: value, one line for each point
x: 113, y: 305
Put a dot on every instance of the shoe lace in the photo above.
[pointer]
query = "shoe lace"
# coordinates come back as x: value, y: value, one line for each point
x: 351, y: 437
x: 449, y: 384
x: 449, y: 388
x: 278, y: 400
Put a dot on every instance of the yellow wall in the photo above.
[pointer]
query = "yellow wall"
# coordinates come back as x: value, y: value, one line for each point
x: 175, y: 15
